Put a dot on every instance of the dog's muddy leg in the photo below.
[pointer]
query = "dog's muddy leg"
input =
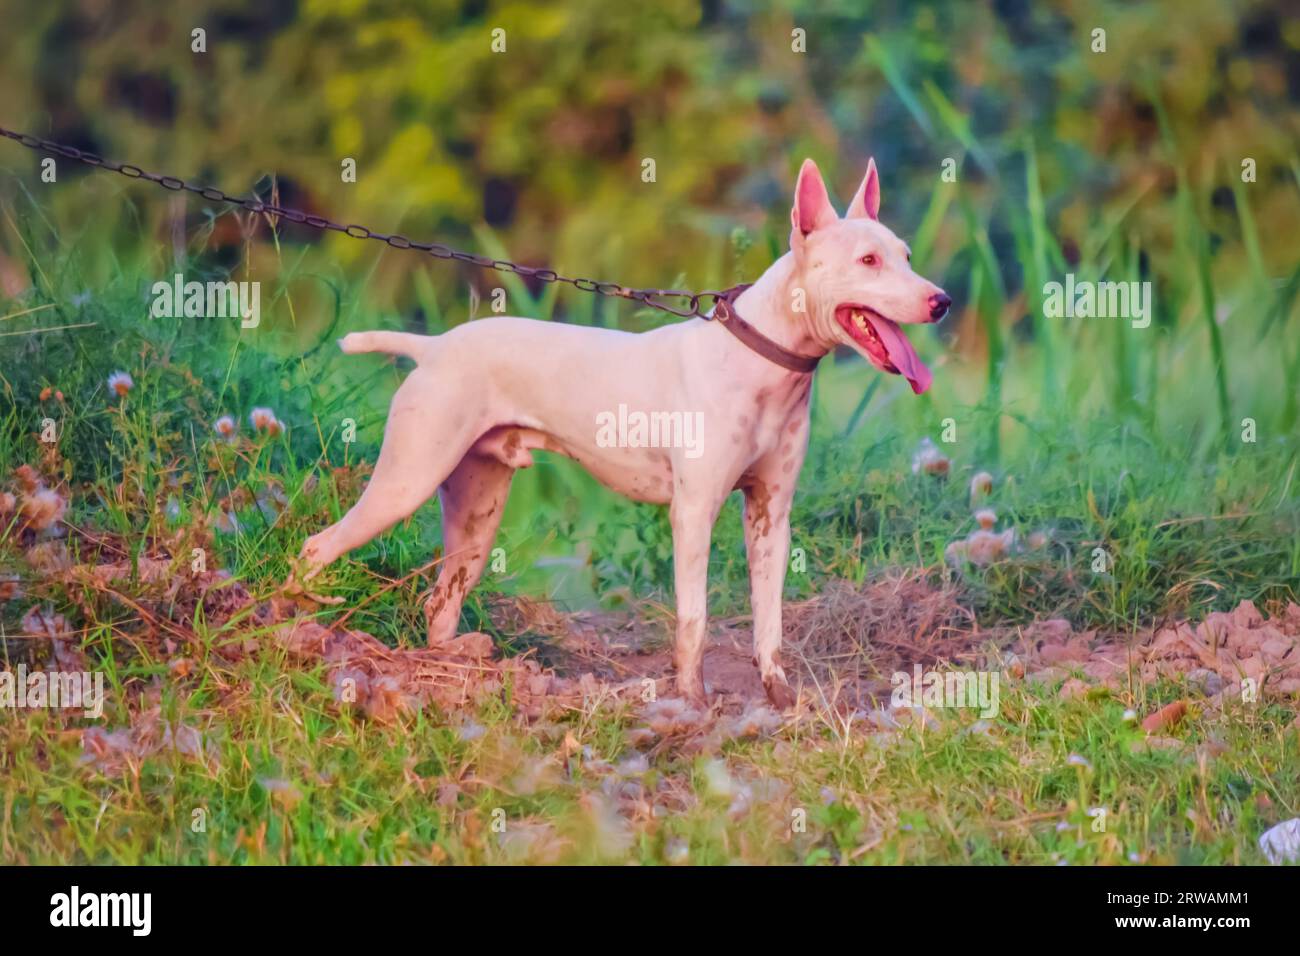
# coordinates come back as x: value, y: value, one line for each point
x: 421, y: 446
x: 473, y: 498
x: 692, y: 521
x: 767, y: 541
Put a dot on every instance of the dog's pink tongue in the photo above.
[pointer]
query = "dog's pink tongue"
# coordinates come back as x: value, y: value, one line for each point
x: 903, y: 355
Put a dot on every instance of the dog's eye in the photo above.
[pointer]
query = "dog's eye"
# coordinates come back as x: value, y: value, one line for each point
x: 871, y: 259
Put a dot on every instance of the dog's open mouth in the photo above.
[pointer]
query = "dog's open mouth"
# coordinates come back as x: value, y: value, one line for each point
x: 884, y: 344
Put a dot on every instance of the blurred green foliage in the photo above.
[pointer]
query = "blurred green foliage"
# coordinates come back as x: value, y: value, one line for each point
x: 545, y: 141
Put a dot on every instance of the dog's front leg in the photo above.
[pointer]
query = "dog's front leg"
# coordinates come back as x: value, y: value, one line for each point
x: 692, y: 517
x: 767, y: 541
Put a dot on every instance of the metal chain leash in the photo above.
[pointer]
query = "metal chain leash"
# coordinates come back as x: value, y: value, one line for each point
x: 695, y: 301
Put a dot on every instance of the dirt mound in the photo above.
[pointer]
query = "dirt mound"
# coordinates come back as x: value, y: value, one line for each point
x: 1229, y: 654
x: 855, y: 636
x: 381, y: 681
x: 841, y: 645
x: 626, y: 650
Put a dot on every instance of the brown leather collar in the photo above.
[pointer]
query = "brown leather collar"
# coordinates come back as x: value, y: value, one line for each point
x: 724, y: 311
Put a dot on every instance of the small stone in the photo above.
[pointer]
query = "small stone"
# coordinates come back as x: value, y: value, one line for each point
x: 1063, y: 653
x: 1281, y: 844
x: 1072, y: 689
x: 1205, y: 681
x: 475, y: 645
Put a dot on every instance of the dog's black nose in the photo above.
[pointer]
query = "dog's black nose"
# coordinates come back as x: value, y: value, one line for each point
x: 939, y: 303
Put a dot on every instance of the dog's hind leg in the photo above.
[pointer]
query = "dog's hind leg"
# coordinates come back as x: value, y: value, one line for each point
x: 421, y: 447
x: 473, y: 498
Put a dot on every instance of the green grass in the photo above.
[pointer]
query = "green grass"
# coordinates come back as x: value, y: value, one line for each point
x: 294, y: 783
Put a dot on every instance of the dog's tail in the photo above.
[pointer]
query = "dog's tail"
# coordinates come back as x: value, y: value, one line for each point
x: 394, y: 343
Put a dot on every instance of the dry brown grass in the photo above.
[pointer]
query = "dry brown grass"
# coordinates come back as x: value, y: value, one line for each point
x: 855, y: 636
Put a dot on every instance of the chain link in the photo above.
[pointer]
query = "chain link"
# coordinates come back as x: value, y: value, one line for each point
x: 695, y: 305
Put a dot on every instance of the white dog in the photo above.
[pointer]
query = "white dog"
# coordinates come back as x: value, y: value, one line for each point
x: 483, y: 395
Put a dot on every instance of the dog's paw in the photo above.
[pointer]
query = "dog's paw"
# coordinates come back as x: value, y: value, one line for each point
x: 779, y: 692
x: 693, y: 693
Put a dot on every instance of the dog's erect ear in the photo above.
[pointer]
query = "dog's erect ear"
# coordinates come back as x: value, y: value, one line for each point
x: 866, y: 202
x: 812, y: 207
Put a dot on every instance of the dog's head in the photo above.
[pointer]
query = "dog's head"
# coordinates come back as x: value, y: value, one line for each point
x: 858, y: 283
